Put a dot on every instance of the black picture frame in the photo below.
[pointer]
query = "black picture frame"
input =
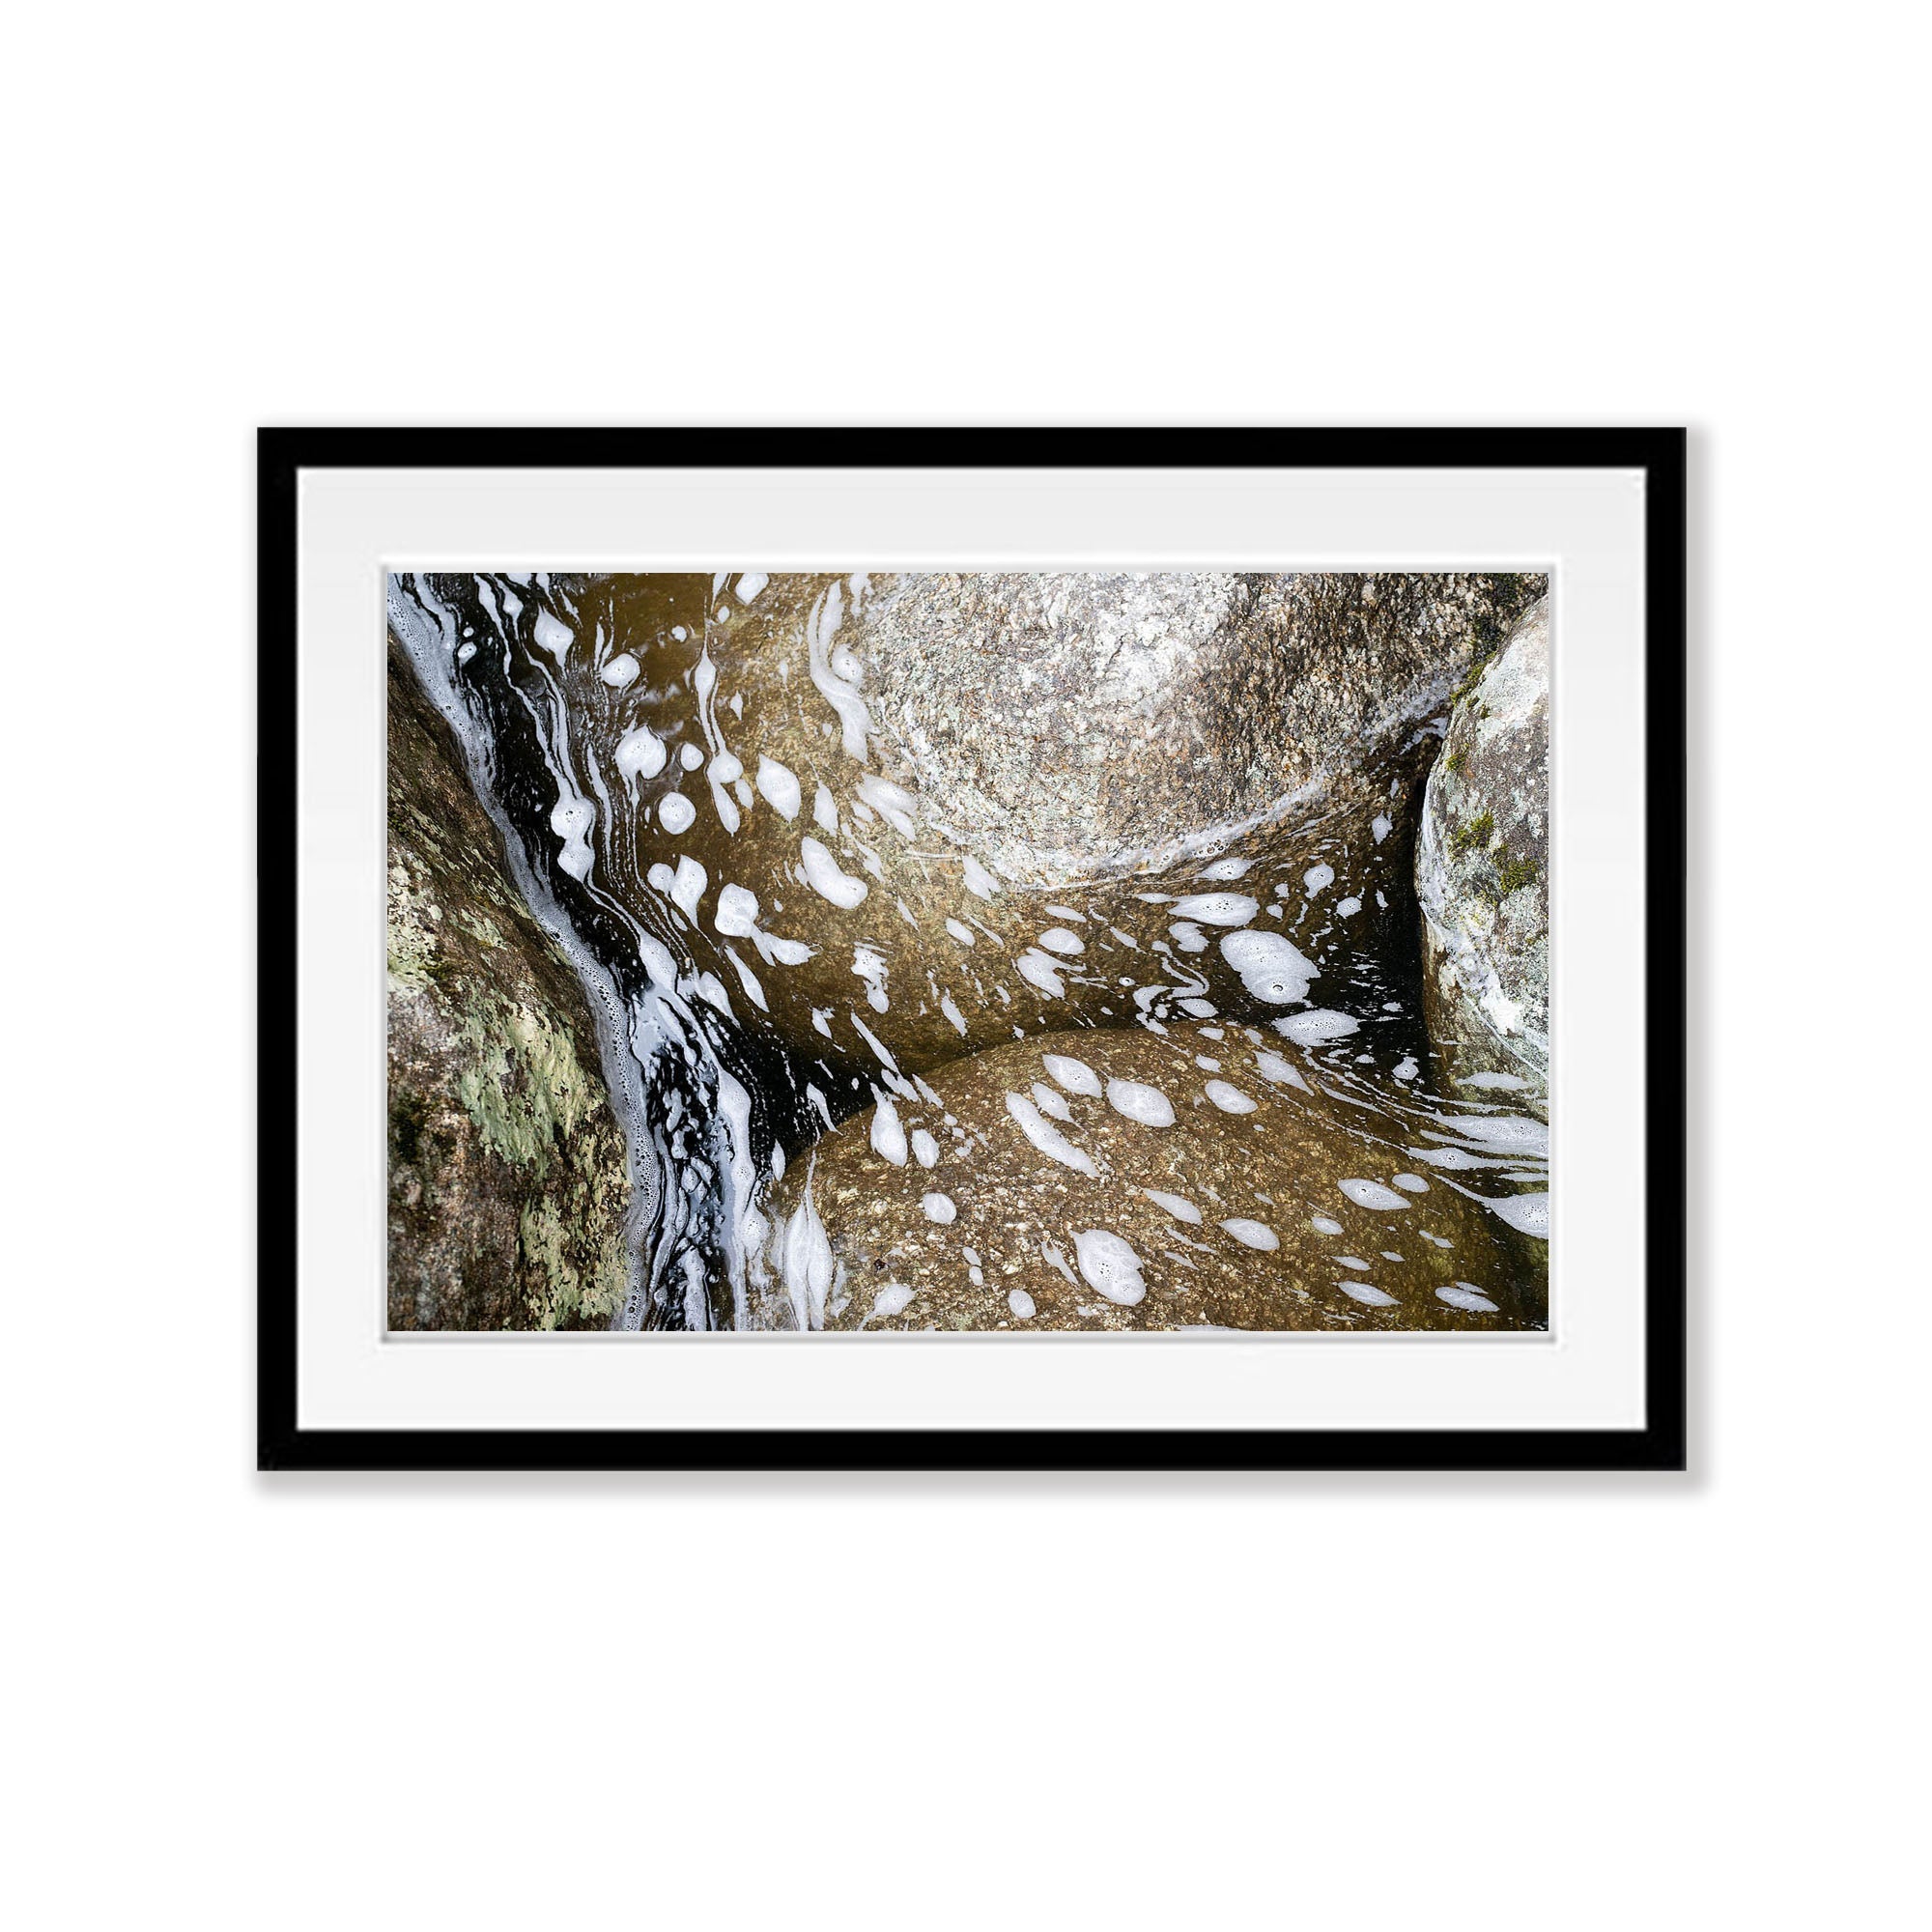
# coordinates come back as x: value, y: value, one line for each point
x: 1660, y: 1444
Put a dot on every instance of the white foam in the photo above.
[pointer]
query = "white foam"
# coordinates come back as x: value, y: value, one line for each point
x: 1230, y: 1099
x: 1372, y: 1194
x: 925, y: 1149
x: 1273, y: 1066
x: 1271, y: 969
x: 1252, y: 1233
x: 1021, y: 1303
x: 1049, y: 1140
x: 1406, y: 1068
x: 1352, y: 1261
x: 640, y: 753
x: 823, y: 875
x: 960, y: 931
x: 1347, y: 908
x: 1057, y: 939
x: 888, y: 1130
x: 939, y: 1207
x: 778, y: 788
x: 1202, y: 1009
x: 1411, y: 1183
x: 1109, y: 1266
x: 677, y: 814
x: 978, y: 880
x: 1224, y: 869
x: 751, y: 584
x: 622, y: 669
x: 737, y: 912
x: 1506, y: 1082
x: 553, y: 636
x: 1465, y: 1296
x: 1527, y: 1214
x: 1139, y: 1101
x: 1317, y: 879
x: 892, y: 1299
x: 1366, y: 1293
x: 825, y: 811
x: 1306, y: 1029
x: 1050, y: 1102
x: 1189, y: 936
x: 1217, y: 908
x: 950, y: 1007
x: 869, y: 965
x: 1176, y: 1204
x: 1323, y: 1225
x: 1039, y: 971
x: 689, y: 756
x: 1075, y: 1075
x: 1512, y: 1133
x: 1381, y: 827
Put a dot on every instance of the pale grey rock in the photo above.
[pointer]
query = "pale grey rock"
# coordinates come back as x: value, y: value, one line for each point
x: 1482, y: 867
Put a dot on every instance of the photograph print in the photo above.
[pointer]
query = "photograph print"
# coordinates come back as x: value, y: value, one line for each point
x: 979, y: 952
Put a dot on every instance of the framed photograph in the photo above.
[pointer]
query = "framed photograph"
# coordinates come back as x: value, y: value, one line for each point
x: 1127, y: 949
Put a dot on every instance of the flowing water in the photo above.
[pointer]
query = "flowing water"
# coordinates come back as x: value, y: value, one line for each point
x: 779, y: 927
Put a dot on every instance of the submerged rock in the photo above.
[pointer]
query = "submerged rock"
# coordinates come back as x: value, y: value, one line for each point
x: 507, y: 1170
x: 884, y: 821
x: 1482, y: 869
x: 1118, y: 1179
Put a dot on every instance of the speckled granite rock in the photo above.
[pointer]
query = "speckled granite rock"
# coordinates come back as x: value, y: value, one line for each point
x: 1070, y: 725
x: 1482, y: 869
x: 507, y: 1177
x: 1117, y: 1179
x: 897, y: 819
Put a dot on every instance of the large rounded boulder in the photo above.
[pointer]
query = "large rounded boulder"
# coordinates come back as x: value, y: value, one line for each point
x: 1211, y: 1176
x: 1482, y: 870
x: 507, y: 1184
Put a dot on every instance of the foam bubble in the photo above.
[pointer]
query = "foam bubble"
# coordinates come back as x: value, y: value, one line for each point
x: 939, y: 1207
x: 1306, y: 1029
x: 1317, y: 879
x: 550, y: 636
x: 892, y: 1299
x: 622, y: 669
x: 1049, y: 1140
x: 1021, y: 1303
x: 677, y: 814
x: 1050, y: 1102
x: 737, y: 912
x: 1109, y: 1266
x: 1410, y: 1183
x: 1372, y: 1194
x: 640, y: 753
x: 1057, y: 939
x: 1527, y: 1214
x: 778, y: 788
x: 1273, y: 1066
x: 1367, y: 1294
x: 1176, y: 1204
x: 1225, y: 869
x: 1230, y: 1099
x: 1075, y: 1075
x: 1217, y: 908
x: 1252, y: 1235
x: 888, y: 1134
x: 1040, y: 970
x: 823, y: 875
x: 925, y: 1149
x: 1270, y: 967
x: 1323, y: 1225
x: 1139, y: 1101
x: 1466, y: 1296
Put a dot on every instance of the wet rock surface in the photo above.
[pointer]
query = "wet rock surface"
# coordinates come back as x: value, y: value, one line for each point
x: 1483, y: 867
x: 1105, y: 1179
x: 814, y: 840
x: 508, y: 1178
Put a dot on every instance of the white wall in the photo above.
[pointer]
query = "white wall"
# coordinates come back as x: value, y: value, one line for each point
x: 1341, y: 1703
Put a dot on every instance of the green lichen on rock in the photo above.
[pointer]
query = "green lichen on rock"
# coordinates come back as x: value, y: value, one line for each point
x: 1480, y: 864
x: 508, y: 1185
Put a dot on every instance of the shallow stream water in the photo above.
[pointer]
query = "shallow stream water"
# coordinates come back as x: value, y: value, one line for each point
x: 777, y: 931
